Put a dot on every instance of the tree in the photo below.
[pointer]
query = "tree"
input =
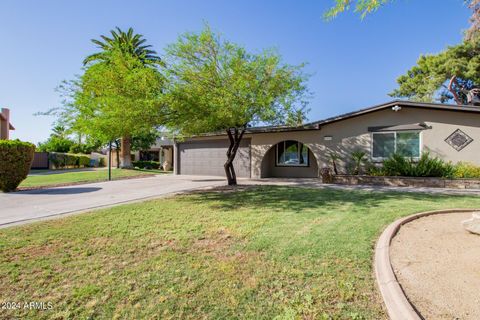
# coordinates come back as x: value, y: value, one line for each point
x: 474, y: 30
x: 59, y: 131
x: 120, y: 97
x: 55, y: 144
x: 363, y: 7
x: 450, y: 75
x: 131, y: 45
x: 217, y: 86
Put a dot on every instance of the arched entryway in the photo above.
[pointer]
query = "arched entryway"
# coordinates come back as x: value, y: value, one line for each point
x: 289, y: 159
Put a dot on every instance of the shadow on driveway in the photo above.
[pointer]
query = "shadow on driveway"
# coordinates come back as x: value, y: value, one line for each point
x: 56, y: 191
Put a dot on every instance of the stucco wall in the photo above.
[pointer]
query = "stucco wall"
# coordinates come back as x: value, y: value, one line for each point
x: 270, y: 169
x: 352, y: 134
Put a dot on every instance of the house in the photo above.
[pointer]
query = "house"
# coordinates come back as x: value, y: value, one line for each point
x: 5, y: 125
x: 161, y: 151
x: 450, y: 132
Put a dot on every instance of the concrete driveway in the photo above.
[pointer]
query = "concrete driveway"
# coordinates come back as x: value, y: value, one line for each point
x: 25, y: 206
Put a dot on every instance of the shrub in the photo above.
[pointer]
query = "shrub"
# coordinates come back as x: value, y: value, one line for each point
x: 83, y: 161
x: 101, y: 162
x: 55, y: 144
x: 146, y: 164
x: 15, y: 161
x: 63, y: 160
x: 426, y: 166
x: 466, y: 170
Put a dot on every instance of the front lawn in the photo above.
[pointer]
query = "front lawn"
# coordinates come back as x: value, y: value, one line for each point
x: 53, y: 179
x: 263, y: 253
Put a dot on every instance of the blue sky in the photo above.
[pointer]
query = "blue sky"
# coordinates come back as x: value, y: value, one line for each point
x: 353, y: 62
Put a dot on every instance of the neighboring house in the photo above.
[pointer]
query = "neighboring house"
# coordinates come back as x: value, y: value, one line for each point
x: 5, y: 125
x: 161, y: 151
x: 450, y: 132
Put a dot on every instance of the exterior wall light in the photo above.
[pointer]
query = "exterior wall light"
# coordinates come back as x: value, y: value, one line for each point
x: 396, y: 108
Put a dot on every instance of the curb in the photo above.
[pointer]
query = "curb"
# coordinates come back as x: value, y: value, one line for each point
x: 396, y: 302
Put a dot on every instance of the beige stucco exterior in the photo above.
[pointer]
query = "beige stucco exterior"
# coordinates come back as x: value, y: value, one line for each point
x: 352, y: 133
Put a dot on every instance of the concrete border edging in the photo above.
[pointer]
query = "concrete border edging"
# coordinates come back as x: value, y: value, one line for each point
x: 395, y: 300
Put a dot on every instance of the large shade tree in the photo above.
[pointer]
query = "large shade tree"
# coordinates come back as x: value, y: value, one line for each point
x: 132, y: 46
x: 217, y: 86
x: 450, y: 76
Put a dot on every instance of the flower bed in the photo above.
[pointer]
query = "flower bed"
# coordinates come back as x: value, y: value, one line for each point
x: 427, y: 182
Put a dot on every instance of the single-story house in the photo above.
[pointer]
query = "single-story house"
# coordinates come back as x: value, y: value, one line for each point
x: 161, y: 151
x: 5, y: 125
x: 450, y: 132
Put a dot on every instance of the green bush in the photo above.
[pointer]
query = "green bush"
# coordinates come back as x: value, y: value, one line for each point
x: 426, y: 166
x: 15, y: 161
x: 146, y: 164
x: 65, y: 160
x: 101, y: 162
x: 83, y: 161
x: 466, y: 170
x: 55, y: 144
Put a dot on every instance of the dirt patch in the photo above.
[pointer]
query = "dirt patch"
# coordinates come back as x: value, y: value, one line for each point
x: 214, y: 243
x: 437, y: 263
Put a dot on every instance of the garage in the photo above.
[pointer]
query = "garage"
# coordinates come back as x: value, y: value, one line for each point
x: 208, y: 158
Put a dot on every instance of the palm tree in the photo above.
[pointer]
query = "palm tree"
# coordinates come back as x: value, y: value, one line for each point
x: 128, y: 43
x: 59, y: 131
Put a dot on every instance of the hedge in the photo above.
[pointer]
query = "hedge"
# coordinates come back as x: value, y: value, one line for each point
x: 64, y: 160
x: 15, y: 161
x: 146, y: 164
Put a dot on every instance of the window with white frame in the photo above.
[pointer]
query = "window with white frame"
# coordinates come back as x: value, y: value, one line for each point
x: 291, y: 153
x: 405, y: 143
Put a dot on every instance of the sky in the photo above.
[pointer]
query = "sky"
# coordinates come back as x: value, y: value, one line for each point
x: 353, y: 63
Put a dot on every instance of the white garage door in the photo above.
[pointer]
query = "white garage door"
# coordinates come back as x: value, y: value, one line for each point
x: 208, y: 158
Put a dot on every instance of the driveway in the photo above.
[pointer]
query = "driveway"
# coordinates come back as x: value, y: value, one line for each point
x: 25, y: 206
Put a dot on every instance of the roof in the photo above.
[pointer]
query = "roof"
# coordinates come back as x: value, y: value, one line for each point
x: 317, y: 124
x: 412, y: 104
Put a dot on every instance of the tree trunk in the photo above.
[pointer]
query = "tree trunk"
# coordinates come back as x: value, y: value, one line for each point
x: 126, y: 160
x: 235, y: 137
x: 117, y: 152
x: 453, y: 81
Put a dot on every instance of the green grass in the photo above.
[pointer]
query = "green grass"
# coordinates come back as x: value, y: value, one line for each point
x: 263, y: 253
x: 82, y: 177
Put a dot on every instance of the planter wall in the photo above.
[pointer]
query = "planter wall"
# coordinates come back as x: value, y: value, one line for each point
x: 426, y: 182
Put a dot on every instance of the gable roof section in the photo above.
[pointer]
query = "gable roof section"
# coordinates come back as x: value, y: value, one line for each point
x: 318, y: 124
x: 411, y: 104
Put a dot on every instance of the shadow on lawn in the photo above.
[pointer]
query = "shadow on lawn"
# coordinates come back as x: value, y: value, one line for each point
x: 279, y: 198
x: 57, y: 191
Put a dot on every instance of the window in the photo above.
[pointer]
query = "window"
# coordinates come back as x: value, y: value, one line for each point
x: 292, y: 153
x: 405, y: 143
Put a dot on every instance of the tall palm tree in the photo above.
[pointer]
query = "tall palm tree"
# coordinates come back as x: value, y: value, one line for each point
x: 127, y: 42
x: 132, y: 44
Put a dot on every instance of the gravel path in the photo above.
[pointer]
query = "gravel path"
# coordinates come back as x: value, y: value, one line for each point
x: 437, y: 263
